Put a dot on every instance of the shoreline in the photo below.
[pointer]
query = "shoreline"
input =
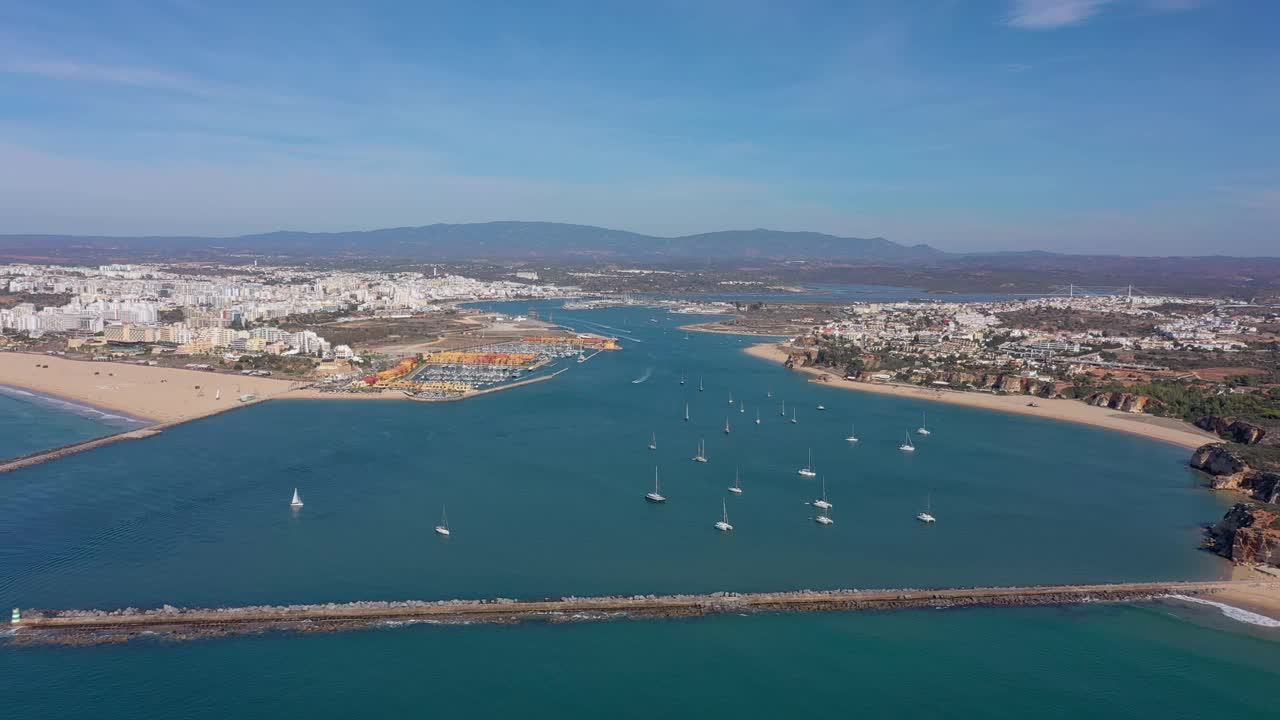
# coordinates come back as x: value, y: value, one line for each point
x: 151, y: 394
x: 71, y: 404
x: 1175, y: 432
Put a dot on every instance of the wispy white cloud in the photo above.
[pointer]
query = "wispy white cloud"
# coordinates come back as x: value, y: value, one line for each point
x: 59, y: 69
x: 1050, y: 14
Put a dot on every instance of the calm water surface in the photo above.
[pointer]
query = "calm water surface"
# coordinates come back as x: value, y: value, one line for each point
x: 544, y: 487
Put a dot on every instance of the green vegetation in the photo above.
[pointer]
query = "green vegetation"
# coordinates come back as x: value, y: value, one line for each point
x: 1192, y: 401
x: 286, y: 364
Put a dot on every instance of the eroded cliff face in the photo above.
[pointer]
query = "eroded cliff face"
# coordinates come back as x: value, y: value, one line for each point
x: 1228, y: 471
x: 1233, y: 429
x: 1247, y: 534
x: 1122, y: 401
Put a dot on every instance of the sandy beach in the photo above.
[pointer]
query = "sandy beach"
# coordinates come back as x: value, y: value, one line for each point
x: 158, y: 394
x: 1163, y: 429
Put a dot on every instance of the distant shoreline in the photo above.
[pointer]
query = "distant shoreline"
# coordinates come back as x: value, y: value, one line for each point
x: 1167, y: 430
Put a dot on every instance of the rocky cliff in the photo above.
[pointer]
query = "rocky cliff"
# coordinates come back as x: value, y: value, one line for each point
x: 1122, y: 401
x: 1233, y: 429
x: 1247, y: 534
x: 1229, y: 471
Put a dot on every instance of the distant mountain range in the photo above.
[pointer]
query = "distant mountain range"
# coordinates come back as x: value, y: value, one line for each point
x: 507, y: 240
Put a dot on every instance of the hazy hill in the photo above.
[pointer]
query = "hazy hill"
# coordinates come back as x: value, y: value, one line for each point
x: 493, y: 240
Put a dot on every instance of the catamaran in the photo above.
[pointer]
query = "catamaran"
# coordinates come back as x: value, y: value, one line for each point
x: 924, y: 427
x: 723, y: 525
x: 822, y: 503
x: 297, y: 501
x: 853, y: 434
x: 656, y: 496
x: 807, y: 470
x: 726, y: 426
x: 823, y: 518
x: 653, y: 442
x: 906, y: 446
x: 737, y: 482
x: 925, y: 517
x: 702, y: 452
x: 443, y: 527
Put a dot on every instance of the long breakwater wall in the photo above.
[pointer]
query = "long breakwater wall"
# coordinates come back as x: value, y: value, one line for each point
x: 104, y: 626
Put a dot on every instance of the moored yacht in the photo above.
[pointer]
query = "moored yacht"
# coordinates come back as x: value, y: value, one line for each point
x: 757, y: 417
x: 726, y: 426
x: 723, y: 524
x: 702, y: 452
x: 926, y: 517
x: 853, y: 434
x: 653, y: 442
x: 906, y: 445
x: 924, y: 426
x: 793, y: 416
x: 443, y: 527
x: 822, y: 503
x: 656, y: 496
x: 823, y: 519
x: 807, y: 470
x: 736, y: 489
x: 297, y: 500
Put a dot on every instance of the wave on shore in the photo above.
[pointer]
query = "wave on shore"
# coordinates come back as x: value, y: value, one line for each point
x: 1231, y: 611
x: 68, y: 406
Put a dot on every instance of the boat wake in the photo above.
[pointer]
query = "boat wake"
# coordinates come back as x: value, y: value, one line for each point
x: 642, y: 378
x: 610, y: 328
x: 1231, y: 611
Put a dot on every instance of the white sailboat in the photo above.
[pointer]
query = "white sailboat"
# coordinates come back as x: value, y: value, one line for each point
x: 656, y: 496
x: 700, y: 387
x: 793, y: 416
x: 653, y: 442
x: 925, y: 517
x: 822, y: 503
x: 757, y: 417
x: 723, y: 525
x: 702, y: 452
x: 783, y: 411
x: 681, y: 378
x: 807, y: 470
x: 769, y: 392
x: 737, y: 482
x: 726, y: 426
x: 297, y: 500
x: 686, y: 412
x: 742, y: 408
x: 906, y: 445
x: 823, y: 518
x: 853, y: 434
x: 730, y: 397
x: 443, y: 527
x: 822, y: 407
x: 924, y: 427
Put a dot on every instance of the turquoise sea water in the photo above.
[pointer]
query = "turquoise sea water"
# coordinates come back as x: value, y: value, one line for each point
x: 544, y: 487
x: 30, y: 422
x: 1099, y: 662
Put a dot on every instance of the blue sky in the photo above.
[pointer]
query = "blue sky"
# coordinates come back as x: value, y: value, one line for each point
x: 1126, y: 126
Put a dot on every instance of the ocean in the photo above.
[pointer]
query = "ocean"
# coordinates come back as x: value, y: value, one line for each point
x: 544, y: 487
